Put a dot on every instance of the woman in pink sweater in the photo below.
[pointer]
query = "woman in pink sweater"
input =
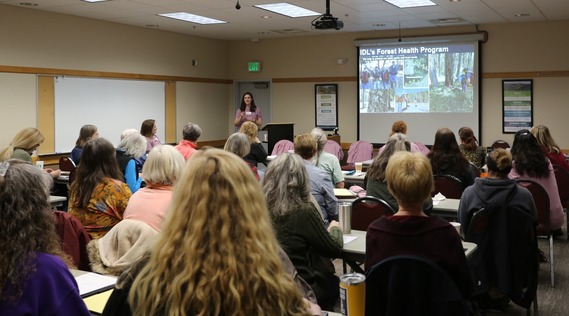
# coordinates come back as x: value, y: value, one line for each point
x: 150, y: 204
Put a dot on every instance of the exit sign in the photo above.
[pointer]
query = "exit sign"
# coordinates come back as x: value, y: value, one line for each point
x: 254, y: 66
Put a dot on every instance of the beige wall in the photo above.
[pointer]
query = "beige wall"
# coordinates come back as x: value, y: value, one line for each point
x: 31, y: 38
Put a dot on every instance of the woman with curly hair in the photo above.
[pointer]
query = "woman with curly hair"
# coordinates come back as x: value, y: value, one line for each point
x: 469, y: 147
x: 446, y: 158
x: 529, y: 162
x: 34, y: 278
x: 221, y: 262
x: 549, y: 146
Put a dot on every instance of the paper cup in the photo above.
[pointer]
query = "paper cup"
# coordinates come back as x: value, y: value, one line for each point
x: 39, y: 164
x: 359, y: 166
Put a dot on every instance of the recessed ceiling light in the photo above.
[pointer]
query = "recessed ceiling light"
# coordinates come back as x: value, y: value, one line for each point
x: 188, y: 17
x: 454, y: 0
x: 521, y: 15
x: 265, y: 17
x: 93, y: 1
x: 28, y: 4
x: 287, y: 9
x: 411, y: 3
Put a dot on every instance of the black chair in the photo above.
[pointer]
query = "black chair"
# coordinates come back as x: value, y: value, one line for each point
x: 411, y: 285
x: 367, y: 209
x: 562, y: 178
x: 541, y: 200
x: 506, y: 256
x: 448, y: 186
x: 500, y: 144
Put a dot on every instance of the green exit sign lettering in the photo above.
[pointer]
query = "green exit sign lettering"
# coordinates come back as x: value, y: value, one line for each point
x: 254, y: 66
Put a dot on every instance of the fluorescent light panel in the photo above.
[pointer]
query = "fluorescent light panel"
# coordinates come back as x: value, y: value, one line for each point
x: 188, y: 17
x: 92, y: 1
x: 287, y: 9
x: 411, y: 3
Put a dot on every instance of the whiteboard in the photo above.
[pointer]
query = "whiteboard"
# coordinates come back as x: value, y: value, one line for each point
x: 112, y: 105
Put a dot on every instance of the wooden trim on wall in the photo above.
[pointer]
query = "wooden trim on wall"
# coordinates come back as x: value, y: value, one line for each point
x: 526, y: 74
x: 314, y: 79
x: 170, y: 111
x: 106, y: 74
x: 46, y: 113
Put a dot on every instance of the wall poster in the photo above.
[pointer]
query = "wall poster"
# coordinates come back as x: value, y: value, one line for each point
x: 517, y: 105
x: 326, y: 96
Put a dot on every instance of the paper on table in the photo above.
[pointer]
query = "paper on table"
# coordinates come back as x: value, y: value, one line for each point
x: 91, y: 283
x: 96, y: 303
x: 347, y: 239
x: 343, y: 192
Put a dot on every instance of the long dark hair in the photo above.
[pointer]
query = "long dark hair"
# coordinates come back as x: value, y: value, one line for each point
x: 445, y: 151
x: 26, y: 225
x: 468, y: 139
x: 98, y: 161
x: 252, y: 107
x: 528, y: 156
x: 85, y: 134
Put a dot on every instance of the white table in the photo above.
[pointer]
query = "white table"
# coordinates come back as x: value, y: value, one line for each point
x: 355, y: 250
x: 357, y: 178
x: 446, y: 208
x: 56, y: 201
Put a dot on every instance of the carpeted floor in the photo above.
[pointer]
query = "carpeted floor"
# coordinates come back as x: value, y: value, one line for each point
x: 551, y: 301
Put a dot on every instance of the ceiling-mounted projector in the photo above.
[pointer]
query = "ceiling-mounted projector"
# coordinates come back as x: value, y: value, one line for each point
x: 327, y: 21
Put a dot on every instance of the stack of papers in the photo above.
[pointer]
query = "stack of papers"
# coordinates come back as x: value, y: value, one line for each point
x: 92, y: 283
x: 343, y: 192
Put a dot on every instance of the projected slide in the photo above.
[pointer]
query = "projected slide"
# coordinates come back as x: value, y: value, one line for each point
x: 417, y: 79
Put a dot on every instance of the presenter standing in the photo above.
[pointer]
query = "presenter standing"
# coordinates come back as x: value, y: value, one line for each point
x: 148, y: 129
x: 248, y: 111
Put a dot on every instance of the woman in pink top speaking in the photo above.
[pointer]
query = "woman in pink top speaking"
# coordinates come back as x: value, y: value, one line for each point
x: 248, y: 111
x: 160, y: 171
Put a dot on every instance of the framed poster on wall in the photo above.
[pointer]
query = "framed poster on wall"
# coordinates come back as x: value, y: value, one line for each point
x: 326, y: 97
x: 517, y: 105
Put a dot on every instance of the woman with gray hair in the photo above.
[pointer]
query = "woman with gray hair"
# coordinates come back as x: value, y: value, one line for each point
x: 188, y: 145
x: 299, y: 226
x: 327, y: 161
x: 238, y: 143
x: 129, y: 148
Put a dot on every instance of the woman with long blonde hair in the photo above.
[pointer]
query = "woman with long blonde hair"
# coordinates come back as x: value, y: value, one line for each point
x: 217, y: 253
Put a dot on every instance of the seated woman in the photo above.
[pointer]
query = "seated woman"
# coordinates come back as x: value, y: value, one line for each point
x: 469, y: 147
x: 215, y: 263
x: 23, y: 145
x: 34, y: 278
x: 410, y: 231
x: 401, y: 128
x: 299, y: 226
x: 150, y: 204
x: 327, y: 161
x: 148, y: 129
x: 376, y: 184
x: 238, y: 144
x: 130, y: 147
x: 257, y: 154
x: 187, y: 146
x: 446, y: 159
x: 529, y: 162
x: 549, y: 147
x: 98, y: 197
x: 86, y: 133
x: 495, y: 189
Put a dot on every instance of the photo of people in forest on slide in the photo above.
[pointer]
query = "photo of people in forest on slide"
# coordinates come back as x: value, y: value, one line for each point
x: 417, y: 79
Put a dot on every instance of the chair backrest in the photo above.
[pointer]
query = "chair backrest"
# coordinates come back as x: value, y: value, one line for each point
x: 422, y: 148
x: 411, y: 285
x: 500, y: 144
x: 66, y: 164
x: 282, y: 146
x: 360, y: 151
x: 367, y: 209
x: 562, y: 178
x: 334, y: 148
x: 541, y: 200
x: 506, y: 253
x: 448, y: 186
x: 74, y: 238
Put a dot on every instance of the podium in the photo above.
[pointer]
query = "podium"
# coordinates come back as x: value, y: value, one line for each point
x: 276, y: 132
